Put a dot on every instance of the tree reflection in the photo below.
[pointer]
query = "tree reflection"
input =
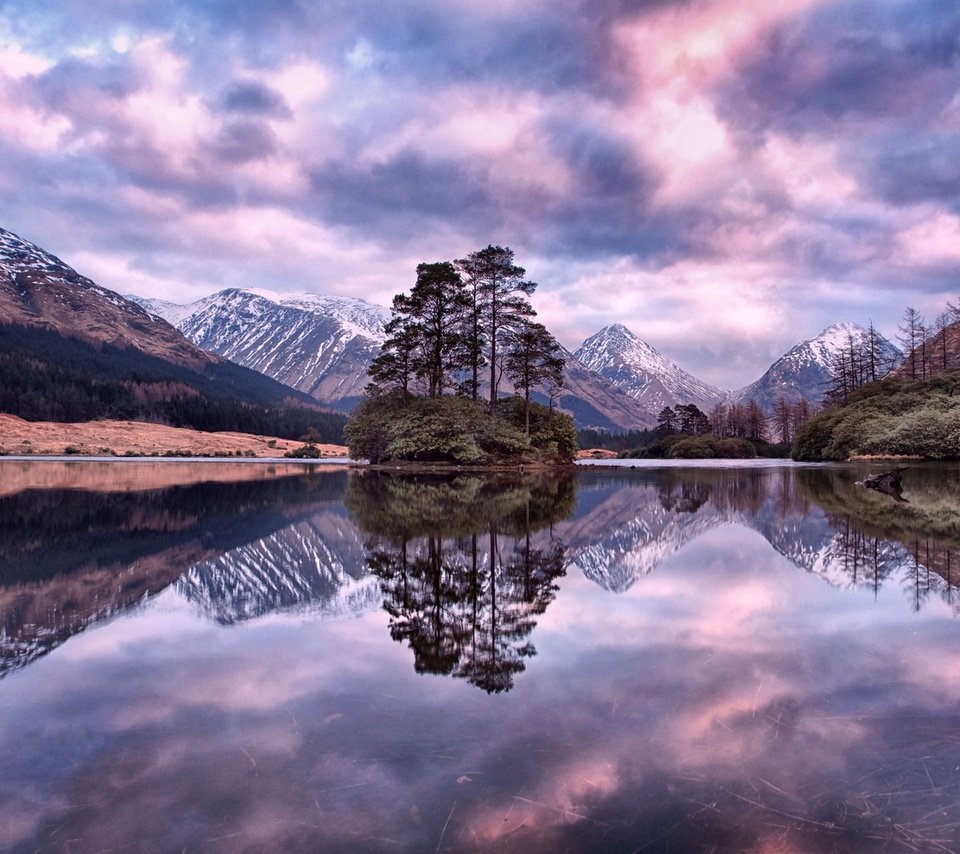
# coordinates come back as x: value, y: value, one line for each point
x: 462, y: 574
x: 915, y: 542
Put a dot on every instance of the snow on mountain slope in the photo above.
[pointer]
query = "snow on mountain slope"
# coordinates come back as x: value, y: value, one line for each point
x: 317, y: 344
x: 37, y: 289
x: 638, y: 369
x: 322, y: 345
x: 806, y: 369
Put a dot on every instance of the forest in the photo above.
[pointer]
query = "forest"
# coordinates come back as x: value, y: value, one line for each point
x: 45, y: 376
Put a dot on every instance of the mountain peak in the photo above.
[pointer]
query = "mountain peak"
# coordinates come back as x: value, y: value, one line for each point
x: 619, y: 355
x: 806, y: 369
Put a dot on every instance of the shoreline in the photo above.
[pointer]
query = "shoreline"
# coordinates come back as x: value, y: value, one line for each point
x: 106, y: 439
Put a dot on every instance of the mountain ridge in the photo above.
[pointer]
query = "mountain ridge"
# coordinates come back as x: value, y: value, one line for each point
x: 805, y: 370
x: 322, y: 344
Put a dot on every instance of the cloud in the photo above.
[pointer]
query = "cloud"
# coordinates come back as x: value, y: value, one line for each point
x: 254, y: 98
x: 777, y: 150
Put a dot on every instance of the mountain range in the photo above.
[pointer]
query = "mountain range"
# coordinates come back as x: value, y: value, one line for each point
x: 322, y: 345
x: 319, y: 345
x: 71, y: 350
x: 614, y: 380
x: 317, y: 348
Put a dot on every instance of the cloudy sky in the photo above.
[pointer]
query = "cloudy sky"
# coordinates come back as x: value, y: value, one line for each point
x: 726, y: 177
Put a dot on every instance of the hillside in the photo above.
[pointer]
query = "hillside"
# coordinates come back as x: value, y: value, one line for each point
x: 893, y: 417
x: 320, y: 345
x: 71, y: 350
x: 938, y: 353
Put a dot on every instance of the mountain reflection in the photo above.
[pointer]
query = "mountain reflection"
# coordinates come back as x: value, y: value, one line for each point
x: 73, y: 558
x: 461, y: 580
x: 464, y: 565
x: 820, y: 519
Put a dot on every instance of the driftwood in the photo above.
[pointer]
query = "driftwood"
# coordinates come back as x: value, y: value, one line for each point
x: 888, y: 482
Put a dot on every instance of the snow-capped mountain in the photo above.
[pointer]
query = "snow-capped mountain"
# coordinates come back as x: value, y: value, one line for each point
x: 322, y: 345
x: 631, y: 364
x: 806, y: 369
x: 596, y: 402
x: 318, y: 344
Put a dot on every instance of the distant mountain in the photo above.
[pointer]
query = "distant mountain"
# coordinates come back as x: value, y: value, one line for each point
x: 320, y: 345
x: 596, y: 403
x: 71, y: 350
x: 632, y: 365
x: 806, y: 369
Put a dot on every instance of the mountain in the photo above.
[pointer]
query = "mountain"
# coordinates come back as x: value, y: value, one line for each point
x: 806, y: 369
x: 632, y: 365
x: 71, y: 350
x: 39, y: 290
x: 598, y: 404
x: 318, y: 344
x: 322, y: 345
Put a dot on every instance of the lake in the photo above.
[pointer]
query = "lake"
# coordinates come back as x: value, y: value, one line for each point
x: 258, y: 657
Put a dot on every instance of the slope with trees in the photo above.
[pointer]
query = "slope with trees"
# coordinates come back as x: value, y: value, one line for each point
x: 914, y: 410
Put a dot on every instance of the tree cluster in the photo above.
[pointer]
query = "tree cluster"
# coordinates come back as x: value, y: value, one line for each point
x: 459, y: 318
x: 929, y: 347
x: 734, y: 421
x: 892, y: 417
x: 856, y: 364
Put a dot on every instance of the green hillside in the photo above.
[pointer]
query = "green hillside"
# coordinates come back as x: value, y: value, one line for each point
x: 893, y: 417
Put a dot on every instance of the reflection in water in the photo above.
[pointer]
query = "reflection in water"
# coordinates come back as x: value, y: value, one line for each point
x: 464, y: 599
x: 818, y: 518
x: 912, y: 540
x: 70, y: 559
x: 696, y: 685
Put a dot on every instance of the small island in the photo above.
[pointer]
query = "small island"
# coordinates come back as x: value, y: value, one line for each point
x: 465, y: 330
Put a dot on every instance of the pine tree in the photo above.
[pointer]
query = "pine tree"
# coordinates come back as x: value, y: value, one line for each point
x: 911, y: 331
x: 500, y: 304
x: 393, y: 368
x: 666, y: 420
x: 533, y: 357
x: 783, y: 417
x: 435, y: 309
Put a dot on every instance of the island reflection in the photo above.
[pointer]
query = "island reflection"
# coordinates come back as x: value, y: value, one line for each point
x: 460, y: 578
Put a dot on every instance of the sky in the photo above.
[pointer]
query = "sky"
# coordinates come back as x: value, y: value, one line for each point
x: 725, y: 177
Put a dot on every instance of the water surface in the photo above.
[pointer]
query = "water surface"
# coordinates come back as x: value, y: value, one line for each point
x: 278, y: 659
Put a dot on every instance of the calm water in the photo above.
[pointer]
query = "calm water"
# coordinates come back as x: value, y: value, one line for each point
x: 244, y: 658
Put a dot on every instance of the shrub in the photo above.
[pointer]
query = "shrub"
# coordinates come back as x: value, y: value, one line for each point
x: 891, y: 417
x: 304, y: 452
